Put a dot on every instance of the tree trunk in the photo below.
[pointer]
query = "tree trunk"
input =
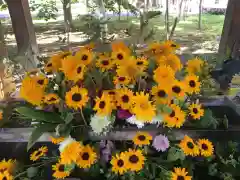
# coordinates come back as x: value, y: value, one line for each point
x: 67, y: 14
x: 167, y: 20
x: 200, y: 15
x: 119, y: 10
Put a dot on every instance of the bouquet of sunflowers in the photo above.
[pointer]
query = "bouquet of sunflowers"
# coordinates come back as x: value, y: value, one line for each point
x: 75, y: 93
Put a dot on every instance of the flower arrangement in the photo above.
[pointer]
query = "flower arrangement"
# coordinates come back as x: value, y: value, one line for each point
x: 81, y: 91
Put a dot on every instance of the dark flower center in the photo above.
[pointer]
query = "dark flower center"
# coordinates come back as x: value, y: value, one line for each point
x: 125, y: 98
x: 120, y: 56
x: 161, y: 93
x: 76, y: 97
x: 105, y: 62
x: 173, y: 45
x: 190, y: 145
x: 102, y: 104
x: 141, y: 137
x: 2, y: 170
x: 195, y: 110
x: 172, y: 114
x: 61, y: 168
x: 4, y: 178
x: 38, y: 153
x: 176, y: 89
x: 111, y: 93
x: 120, y: 163
x: 52, y: 99
x: 84, y: 57
x: 121, y: 78
x: 192, y: 84
x: 204, y: 147
x: 49, y: 65
x: 41, y: 81
x: 180, y: 178
x: 139, y: 63
x: 154, y: 51
x: 85, y: 156
x: 79, y: 69
x: 133, y: 159
x: 65, y: 55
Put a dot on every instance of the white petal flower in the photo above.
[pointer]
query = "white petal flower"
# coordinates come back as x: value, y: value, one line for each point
x: 157, y: 120
x: 66, y: 142
x: 134, y: 120
x: 100, y: 123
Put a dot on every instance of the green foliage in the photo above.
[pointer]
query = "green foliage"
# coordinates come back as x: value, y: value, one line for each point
x: 32, y: 172
x: 175, y: 154
x: 46, y: 9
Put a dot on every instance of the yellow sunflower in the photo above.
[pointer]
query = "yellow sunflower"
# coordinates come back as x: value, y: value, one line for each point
x: 142, y: 138
x: 77, y: 97
x: 119, y: 45
x: 129, y: 69
x: 121, y: 80
x: 196, y: 111
x: 161, y: 94
x: 48, y: 68
x: 55, y: 62
x: 120, y: 56
x: 192, y: 84
x: 164, y: 74
x: 194, y: 65
x: 104, y: 63
x: 59, y: 171
x: 6, y: 176
x: 124, y: 98
x: 8, y: 165
x: 143, y: 108
x: 118, y: 163
x: 103, y: 105
x: 176, y: 118
x: 87, y: 157
x: 1, y: 115
x: 177, y: 89
x: 180, y: 174
x: 85, y: 56
x: 171, y: 60
x: 134, y: 160
x: 40, y: 80
x: 172, y: 44
x: 89, y: 46
x: 51, y: 99
x: 71, y: 152
x: 56, y: 140
x: 206, y: 147
x: 159, y: 49
x: 142, y: 63
x: 36, y: 155
x: 188, y: 146
x: 113, y: 96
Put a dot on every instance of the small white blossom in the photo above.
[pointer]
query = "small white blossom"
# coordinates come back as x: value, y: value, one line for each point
x: 134, y: 120
x: 66, y: 142
x: 100, y: 123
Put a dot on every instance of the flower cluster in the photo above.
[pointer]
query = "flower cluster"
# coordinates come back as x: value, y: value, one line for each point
x: 7, y: 168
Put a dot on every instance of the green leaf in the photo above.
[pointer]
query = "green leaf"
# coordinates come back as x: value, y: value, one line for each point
x: 38, y: 132
x: 167, y: 109
x: 69, y: 118
x: 175, y: 154
x: 63, y: 130
x: 39, y: 115
x: 32, y: 172
x: 69, y: 167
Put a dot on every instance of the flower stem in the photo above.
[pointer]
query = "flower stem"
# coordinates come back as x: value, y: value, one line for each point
x: 85, y: 122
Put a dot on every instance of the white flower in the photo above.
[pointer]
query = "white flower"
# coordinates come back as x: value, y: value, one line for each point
x: 66, y: 142
x: 157, y: 120
x: 100, y: 123
x: 134, y: 120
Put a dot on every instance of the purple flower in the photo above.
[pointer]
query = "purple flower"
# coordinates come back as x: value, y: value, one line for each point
x: 123, y: 114
x: 160, y: 143
x: 106, y: 148
x: 106, y: 154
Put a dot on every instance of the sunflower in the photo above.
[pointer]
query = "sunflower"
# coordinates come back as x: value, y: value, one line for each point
x: 142, y: 138
x: 188, y: 146
x: 121, y: 80
x: 161, y: 94
x: 71, y: 152
x: 113, y: 96
x: 26, y: 91
x: 172, y: 44
x: 196, y: 111
x: 192, y: 84
x: 118, y: 163
x: 159, y: 49
x: 129, y: 69
x: 176, y: 118
x: 36, y: 155
x: 120, y: 56
x: 40, y: 80
x: 134, y: 160
x: 104, y: 63
x: 51, y: 99
x: 56, y: 140
x: 85, y: 56
x: 119, y: 45
x: 77, y: 97
x: 142, y: 63
x: 88, y: 47
x: 55, y: 62
x: 6, y: 176
x: 124, y: 98
x: 143, y: 108
x: 177, y: 89
x: 59, y: 171
x: 171, y: 60
x: 164, y: 74
x: 48, y: 68
x: 103, y: 105
x: 87, y: 157
x: 206, y: 147
x: 8, y: 165
x: 194, y: 65
x: 180, y: 174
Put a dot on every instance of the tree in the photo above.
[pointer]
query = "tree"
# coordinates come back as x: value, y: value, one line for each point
x: 200, y: 15
x: 67, y: 13
x: 167, y: 19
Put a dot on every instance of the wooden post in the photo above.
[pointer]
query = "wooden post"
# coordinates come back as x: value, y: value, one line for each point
x: 230, y: 38
x: 24, y: 32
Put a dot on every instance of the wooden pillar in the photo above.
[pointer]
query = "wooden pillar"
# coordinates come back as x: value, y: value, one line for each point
x: 24, y: 32
x: 230, y: 38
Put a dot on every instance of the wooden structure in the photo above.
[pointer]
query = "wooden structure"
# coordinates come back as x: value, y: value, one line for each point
x: 230, y: 38
x: 24, y: 31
